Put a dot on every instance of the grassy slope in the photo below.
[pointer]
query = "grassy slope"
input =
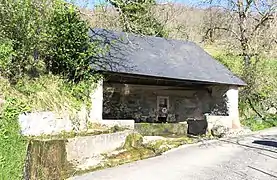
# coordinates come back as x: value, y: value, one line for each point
x: 44, y: 93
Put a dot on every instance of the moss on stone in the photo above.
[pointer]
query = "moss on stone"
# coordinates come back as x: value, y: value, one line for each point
x: 133, y: 140
x: 47, y: 160
x: 66, y: 135
x: 157, y: 129
x: 135, y: 151
x: 131, y: 155
x: 164, y: 145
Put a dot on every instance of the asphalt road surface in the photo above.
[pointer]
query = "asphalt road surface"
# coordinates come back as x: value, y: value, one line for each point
x: 246, y: 158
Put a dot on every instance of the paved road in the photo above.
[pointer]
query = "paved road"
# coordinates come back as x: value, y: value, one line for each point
x: 246, y: 158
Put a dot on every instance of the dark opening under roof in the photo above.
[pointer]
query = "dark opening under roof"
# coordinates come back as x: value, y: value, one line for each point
x: 159, y: 57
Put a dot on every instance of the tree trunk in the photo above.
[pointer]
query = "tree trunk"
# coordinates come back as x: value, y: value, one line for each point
x: 243, y: 33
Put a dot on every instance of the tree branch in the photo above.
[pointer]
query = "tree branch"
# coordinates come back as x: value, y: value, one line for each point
x: 254, y: 109
x: 224, y: 29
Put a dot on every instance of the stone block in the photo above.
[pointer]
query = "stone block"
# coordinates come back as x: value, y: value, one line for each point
x: 58, y: 159
x: 213, y: 121
x: 157, y: 129
x: 80, y: 148
x: 130, y: 124
x: 43, y: 123
x: 46, y: 160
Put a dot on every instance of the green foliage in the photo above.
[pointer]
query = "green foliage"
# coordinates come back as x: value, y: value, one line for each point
x: 232, y: 62
x: 45, y: 65
x: 137, y: 17
x: 163, y: 145
x: 69, y: 49
x: 12, y: 146
x: 6, y: 53
x: 259, y: 124
x: 261, y: 91
x: 39, y: 37
x: 50, y: 93
x: 44, y: 93
x: 133, y: 140
x: 22, y: 24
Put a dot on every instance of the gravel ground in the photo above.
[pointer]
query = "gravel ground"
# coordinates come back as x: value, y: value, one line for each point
x: 252, y: 157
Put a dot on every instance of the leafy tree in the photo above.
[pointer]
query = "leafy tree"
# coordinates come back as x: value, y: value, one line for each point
x: 39, y: 37
x: 136, y: 17
x: 6, y: 53
x: 22, y: 24
x: 250, y: 25
x: 68, y: 45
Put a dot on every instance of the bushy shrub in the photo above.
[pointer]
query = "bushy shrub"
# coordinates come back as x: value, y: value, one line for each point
x: 69, y: 50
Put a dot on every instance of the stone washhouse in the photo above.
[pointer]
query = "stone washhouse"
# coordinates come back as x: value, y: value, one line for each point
x: 152, y: 79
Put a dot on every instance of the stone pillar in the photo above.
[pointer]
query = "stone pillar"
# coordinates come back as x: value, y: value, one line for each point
x: 232, y: 105
x: 97, y: 102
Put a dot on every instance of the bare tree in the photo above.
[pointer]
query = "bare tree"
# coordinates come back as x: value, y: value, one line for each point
x: 250, y: 23
x: 250, y: 27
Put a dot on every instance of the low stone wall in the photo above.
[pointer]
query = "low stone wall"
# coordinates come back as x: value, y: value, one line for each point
x: 157, y: 129
x: 58, y: 159
x: 225, y: 121
x: 47, y: 123
x: 91, y: 146
x: 130, y: 124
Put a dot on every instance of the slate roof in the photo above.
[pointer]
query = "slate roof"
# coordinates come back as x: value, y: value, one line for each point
x: 159, y: 57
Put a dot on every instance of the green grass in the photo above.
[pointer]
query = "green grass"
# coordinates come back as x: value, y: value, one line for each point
x: 12, y: 156
x: 259, y: 124
x: 46, y: 93
x: 12, y: 144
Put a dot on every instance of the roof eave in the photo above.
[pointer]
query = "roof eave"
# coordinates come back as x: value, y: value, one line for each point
x: 177, y: 79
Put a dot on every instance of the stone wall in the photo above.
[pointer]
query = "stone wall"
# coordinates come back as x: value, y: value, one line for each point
x: 129, y: 124
x: 46, y: 160
x: 49, y: 123
x: 158, y: 129
x: 81, y: 149
x: 58, y: 159
x: 124, y: 101
x: 226, y: 111
x: 44, y: 123
x: 214, y: 121
x: 219, y: 99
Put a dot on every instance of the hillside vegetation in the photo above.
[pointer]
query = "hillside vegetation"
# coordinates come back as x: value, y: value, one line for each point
x: 46, y: 56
